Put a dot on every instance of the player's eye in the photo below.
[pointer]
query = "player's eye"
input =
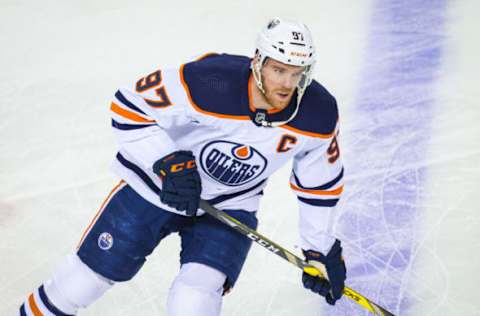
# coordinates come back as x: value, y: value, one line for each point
x: 298, y: 74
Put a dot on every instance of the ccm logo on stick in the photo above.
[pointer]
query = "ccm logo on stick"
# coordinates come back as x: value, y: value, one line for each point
x: 263, y: 243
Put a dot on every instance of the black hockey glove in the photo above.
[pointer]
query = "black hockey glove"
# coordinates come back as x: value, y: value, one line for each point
x: 181, y: 181
x: 331, y: 289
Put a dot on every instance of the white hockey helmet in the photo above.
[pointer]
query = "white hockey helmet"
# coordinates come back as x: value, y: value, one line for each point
x: 289, y: 42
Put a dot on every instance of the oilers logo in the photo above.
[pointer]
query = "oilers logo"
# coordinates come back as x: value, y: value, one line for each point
x: 105, y: 241
x: 231, y: 163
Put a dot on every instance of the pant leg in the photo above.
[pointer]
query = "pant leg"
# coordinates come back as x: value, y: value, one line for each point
x: 125, y: 232
x: 212, y: 257
x: 217, y: 245
x: 126, y: 229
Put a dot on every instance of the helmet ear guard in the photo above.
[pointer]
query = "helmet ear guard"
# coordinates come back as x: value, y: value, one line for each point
x: 288, y: 42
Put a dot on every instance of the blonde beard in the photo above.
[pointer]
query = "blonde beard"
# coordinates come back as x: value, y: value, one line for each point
x: 278, y: 105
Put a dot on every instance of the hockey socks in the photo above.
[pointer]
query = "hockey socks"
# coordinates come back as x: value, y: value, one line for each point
x: 73, y: 286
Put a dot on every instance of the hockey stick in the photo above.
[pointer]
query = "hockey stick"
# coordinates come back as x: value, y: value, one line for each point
x: 287, y: 255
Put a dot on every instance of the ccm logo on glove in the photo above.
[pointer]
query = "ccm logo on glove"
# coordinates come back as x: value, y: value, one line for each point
x: 182, y: 186
x: 180, y: 167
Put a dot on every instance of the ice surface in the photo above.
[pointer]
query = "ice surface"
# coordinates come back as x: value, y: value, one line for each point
x: 404, y: 74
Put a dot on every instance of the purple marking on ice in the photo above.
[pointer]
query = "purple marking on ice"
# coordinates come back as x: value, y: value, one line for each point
x: 385, y: 172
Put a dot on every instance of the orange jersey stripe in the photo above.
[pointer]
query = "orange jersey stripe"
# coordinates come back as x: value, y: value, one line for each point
x: 197, y: 108
x: 337, y: 191
x: 293, y: 129
x: 33, y: 306
x: 129, y: 115
x: 115, y: 189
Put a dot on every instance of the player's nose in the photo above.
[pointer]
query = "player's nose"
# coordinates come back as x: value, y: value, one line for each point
x: 289, y: 82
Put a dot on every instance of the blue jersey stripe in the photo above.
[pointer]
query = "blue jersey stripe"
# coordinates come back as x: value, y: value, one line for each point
x: 317, y: 202
x: 128, y: 127
x: 22, y: 310
x: 148, y: 181
x: 325, y: 186
x: 127, y: 103
x: 139, y: 172
x: 225, y: 197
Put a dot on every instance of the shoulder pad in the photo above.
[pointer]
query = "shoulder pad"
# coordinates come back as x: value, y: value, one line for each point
x: 318, y: 112
x: 217, y: 84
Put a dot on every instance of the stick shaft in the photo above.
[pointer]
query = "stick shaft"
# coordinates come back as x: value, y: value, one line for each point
x: 287, y: 255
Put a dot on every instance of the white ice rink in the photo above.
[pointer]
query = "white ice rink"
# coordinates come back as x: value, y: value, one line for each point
x: 405, y: 77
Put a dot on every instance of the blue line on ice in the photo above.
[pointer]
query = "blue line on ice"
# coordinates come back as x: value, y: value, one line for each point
x: 385, y: 174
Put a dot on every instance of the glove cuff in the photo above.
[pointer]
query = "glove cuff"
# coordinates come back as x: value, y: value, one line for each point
x: 313, y: 255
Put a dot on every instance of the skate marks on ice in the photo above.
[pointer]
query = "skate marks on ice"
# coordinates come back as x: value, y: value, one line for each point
x: 385, y: 154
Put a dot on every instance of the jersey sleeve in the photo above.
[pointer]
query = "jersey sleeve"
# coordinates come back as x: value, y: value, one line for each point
x: 317, y: 180
x: 144, y: 112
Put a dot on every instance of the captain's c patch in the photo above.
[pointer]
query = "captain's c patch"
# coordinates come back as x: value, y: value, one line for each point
x: 286, y: 143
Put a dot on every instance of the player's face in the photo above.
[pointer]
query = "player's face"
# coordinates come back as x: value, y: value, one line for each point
x: 279, y: 81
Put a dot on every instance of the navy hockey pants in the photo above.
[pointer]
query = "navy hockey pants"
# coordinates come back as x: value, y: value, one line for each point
x: 128, y: 228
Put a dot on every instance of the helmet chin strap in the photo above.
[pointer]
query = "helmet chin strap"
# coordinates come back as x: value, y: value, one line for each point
x: 260, y: 118
x: 257, y: 74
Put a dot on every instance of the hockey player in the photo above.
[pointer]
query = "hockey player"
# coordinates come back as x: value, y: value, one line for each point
x: 215, y: 129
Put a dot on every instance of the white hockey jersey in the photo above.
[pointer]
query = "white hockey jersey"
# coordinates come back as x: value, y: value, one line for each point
x: 205, y: 106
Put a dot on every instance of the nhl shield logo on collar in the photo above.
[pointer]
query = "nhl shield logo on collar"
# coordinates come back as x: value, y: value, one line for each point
x: 260, y: 116
x: 105, y: 241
